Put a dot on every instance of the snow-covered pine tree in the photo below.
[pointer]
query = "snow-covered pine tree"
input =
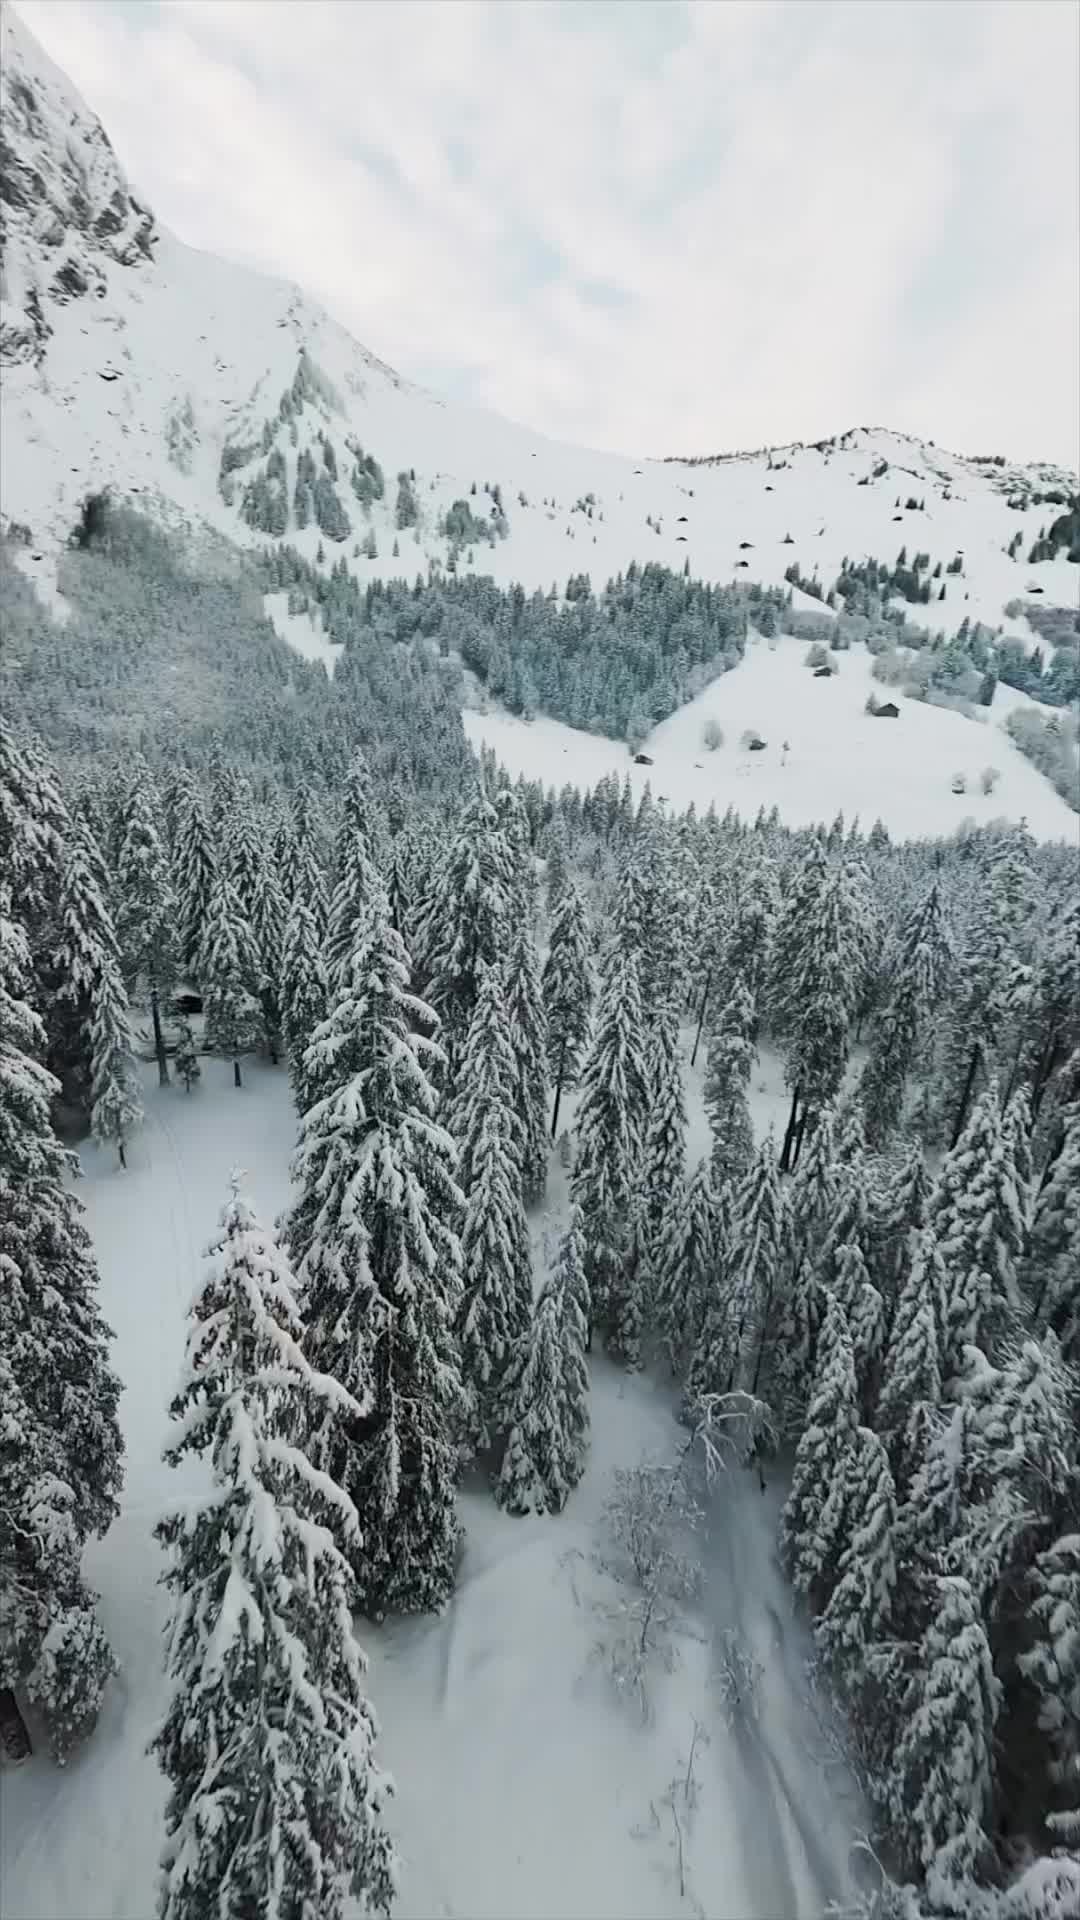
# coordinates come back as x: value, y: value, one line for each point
x: 610, y: 1126
x: 911, y: 1371
x: 867, y: 1319
x: 116, y: 1104
x: 268, y: 928
x: 531, y: 1476
x: 691, y: 1259
x: 899, y: 1208
x: 978, y: 1010
x: 244, y: 848
x: 186, y: 1056
x: 1051, y: 1666
x: 811, y: 1523
x: 84, y: 949
x: 858, y: 1607
x: 976, y: 1215
x: 193, y: 868
x: 570, y: 1278
x: 465, y: 921
x: 803, y: 884
x: 230, y: 975
x: 548, y: 1400
x: 749, y: 936
x: 359, y: 890
x: 808, y: 1215
x: 943, y: 1767
x: 34, y: 834
x: 567, y: 987
x: 663, y: 1154
x: 374, y: 1238
x: 919, y: 970
x: 852, y: 1220
x: 276, y: 1802
x: 303, y: 994
x: 528, y: 1038
x: 495, y: 1256
x: 735, y: 1348
x: 729, y: 1065
x: 60, y: 1446
x: 302, y: 875
x: 146, y: 904
x: 1052, y: 1271
x: 818, y: 1013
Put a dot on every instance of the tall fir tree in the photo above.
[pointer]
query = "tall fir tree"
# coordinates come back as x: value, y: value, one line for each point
x: 911, y: 1371
x: 818, y: 1013
x: 496, y: 1261
x: 943, y: 1766
x: 567, y: 987
x: 812, y: 1520
x: 230, y: 977
x: 84, y: 952
x: 304, y: 994
x: 692, y: 1257
x: 1051, y: 1666
x: 663, y: 1154
x: 857, y: 1611
x: 146, y: 904
x: 610, y: 1127
x: 528, y: 1038
x: 276, y: 1803
x: 375, y: 1227
x: 193, y: 868
x: 116, y: 1107
x: 547, y: 1405
x: 464, y: 925
x: 919, y: 972
x: 268, y: 929
x: 731, y: 1058
x: 976, y: 1215
x: 359, y: 889
x: 60, y: 1446
x: 735, y: 1349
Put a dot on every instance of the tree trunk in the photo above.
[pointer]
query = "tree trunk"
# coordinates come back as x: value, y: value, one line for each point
x: 701, y: 1014
x: 558, y: 1092
x: 799, y: 1134
x: 236, y: 1080
x: 122, y: 1150
x: 961, y: 1112
x: 159, y: 1040
x: 789, y: 1136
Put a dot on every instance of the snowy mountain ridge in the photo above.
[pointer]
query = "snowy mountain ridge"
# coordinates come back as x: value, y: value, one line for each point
x: 215, y: 395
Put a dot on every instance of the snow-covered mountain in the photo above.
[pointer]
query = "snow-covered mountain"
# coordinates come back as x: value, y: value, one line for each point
x: 203, y: 390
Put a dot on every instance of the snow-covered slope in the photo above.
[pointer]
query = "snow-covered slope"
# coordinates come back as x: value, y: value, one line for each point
x: 823, y: 755
x: 135, y: 362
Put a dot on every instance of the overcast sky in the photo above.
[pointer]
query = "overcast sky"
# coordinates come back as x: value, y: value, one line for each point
x: 662, y: 228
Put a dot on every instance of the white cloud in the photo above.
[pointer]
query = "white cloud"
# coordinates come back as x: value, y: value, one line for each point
x: 656, y: 228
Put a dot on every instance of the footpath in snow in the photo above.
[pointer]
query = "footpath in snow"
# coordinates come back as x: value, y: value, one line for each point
x: 525, y: 1787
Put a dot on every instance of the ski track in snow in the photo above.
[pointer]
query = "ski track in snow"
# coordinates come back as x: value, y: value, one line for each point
x: 525, y: 1790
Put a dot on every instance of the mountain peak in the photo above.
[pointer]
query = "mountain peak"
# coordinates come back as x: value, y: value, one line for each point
x: 67, y: 212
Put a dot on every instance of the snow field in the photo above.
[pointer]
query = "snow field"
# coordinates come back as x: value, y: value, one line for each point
x: 838, y: 758
x: 525, y: 1788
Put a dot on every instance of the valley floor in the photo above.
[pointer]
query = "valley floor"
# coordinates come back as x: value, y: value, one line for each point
x: 525, y: 1787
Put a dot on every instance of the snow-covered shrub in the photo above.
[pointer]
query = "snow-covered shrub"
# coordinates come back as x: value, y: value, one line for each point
x: 989, y: 778
x: 712, y: 734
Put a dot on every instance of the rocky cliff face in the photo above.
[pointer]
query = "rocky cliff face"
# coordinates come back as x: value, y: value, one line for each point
x: 67, y: 214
